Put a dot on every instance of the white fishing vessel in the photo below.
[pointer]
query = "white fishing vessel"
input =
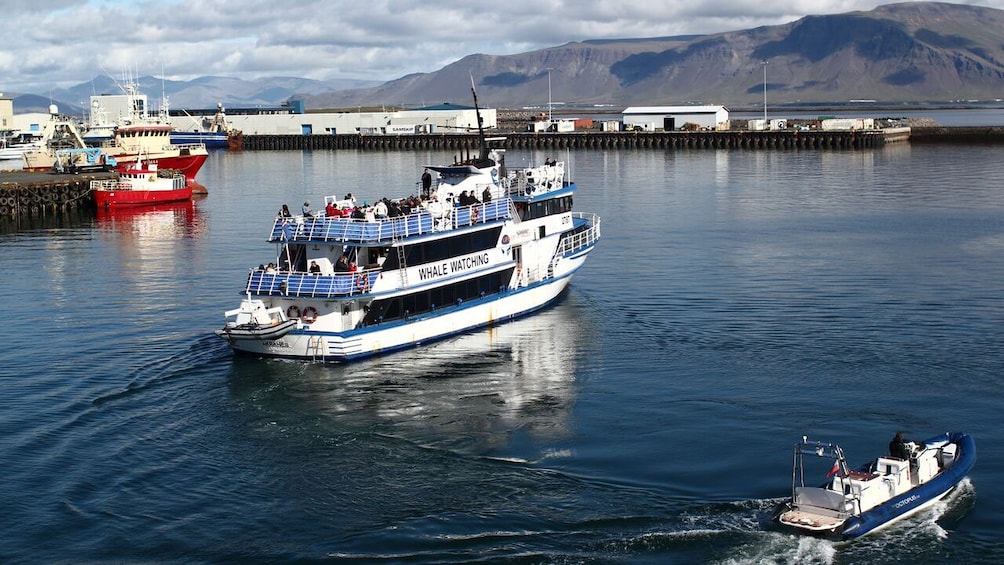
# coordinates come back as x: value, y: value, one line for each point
x: 365, y: 285
x: 855, y: 502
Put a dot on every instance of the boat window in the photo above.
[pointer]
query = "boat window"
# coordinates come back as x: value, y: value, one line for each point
x: 446, y: 248
x: 544, y: 208
x: 444, y: 296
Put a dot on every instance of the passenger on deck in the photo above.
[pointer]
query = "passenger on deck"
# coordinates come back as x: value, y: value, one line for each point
x: 331, y: 210
x: 380, y: 209
x: 898, y: 447
x: 342, y: 266
x: 307, y: 213
x: 315, y: 269
x: 270, y: 268
x: 426, y: 182
x: 486, y: 196
x: 284, y: 212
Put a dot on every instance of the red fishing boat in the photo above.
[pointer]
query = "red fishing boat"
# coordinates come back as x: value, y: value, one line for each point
x: 141, y: 182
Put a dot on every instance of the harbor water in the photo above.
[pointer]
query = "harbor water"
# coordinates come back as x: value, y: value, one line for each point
x: 737, y: 301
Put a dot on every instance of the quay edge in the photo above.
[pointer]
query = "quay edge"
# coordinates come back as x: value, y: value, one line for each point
x: 783, y: 139
x: 26, y: 194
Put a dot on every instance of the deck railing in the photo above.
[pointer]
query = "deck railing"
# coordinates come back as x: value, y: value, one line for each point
x: 580, y: 239
x: 309, y: 285
x: 352, y: 230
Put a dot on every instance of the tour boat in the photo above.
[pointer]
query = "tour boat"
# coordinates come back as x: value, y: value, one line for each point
x: 852, y: 503
x: 141, y: 183
x: 439, y: 268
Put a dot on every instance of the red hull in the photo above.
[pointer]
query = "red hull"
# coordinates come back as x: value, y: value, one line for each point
x: 113, y: 198
x: 187, y: 164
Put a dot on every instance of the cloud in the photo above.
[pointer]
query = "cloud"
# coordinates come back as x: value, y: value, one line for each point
x: 66, y: 42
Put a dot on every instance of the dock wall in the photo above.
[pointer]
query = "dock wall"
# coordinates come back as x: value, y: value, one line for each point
x: 580, y: 140
x: 40, y: 194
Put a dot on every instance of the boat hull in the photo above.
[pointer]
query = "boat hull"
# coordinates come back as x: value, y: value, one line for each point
x: 116, y: 198
x: 189, y: 163
x: 212, y: 140
x: 904, y: 505
x: 304, y: 343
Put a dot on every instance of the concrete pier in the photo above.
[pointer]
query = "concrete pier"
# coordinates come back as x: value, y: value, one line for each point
x: 786, y: 139
x: 41, y: 194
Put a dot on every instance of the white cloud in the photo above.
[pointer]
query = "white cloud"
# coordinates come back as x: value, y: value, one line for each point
x: 66, y: 42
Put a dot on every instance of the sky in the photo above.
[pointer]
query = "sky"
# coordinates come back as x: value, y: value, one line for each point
x: 62, y: 43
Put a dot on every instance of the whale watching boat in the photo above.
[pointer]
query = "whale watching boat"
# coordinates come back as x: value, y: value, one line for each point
x: 855, y: 502
x: 346, y: 288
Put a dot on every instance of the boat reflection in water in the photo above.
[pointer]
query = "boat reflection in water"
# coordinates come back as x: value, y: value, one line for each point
x: 495, y: 391
x: 171, y: 220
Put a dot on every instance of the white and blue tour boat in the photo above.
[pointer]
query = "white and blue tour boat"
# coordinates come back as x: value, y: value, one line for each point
x: 855, y: 502
x: 345, y: 288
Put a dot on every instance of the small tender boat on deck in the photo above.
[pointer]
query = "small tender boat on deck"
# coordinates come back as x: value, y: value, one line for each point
x: 887, y: 489
x: 254, y: 321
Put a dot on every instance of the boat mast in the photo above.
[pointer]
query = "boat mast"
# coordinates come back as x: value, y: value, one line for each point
x: 481, y: 128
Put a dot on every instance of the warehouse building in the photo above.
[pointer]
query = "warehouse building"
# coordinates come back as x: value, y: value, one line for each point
x: 293, y: 120
x: 668, y: 118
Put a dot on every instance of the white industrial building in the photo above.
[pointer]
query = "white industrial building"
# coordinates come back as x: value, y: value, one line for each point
x: 651, y: 118
x: 444, y: 118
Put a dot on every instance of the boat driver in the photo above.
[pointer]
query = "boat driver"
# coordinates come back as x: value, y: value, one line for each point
x: 899, y: 447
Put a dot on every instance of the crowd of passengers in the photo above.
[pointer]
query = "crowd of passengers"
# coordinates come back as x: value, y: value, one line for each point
x: 385, y: 207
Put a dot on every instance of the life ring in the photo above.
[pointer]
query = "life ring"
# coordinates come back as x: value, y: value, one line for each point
x: 363, y: 282
x: 309, y: 314
x: 293, y: 312
x: 475, y: 214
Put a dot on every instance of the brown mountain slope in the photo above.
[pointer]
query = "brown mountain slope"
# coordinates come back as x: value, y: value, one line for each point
x: 915, y: 51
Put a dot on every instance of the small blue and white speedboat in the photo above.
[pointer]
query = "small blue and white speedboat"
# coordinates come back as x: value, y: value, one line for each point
x: 887, y: 489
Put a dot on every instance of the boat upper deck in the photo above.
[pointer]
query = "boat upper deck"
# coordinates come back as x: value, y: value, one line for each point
x: 420, y: 222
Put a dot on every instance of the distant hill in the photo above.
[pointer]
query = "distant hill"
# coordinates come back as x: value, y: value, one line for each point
x: 908, y: 52
x: 200, y: 93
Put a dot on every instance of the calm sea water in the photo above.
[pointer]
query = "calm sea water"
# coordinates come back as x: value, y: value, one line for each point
x: 737, y: 301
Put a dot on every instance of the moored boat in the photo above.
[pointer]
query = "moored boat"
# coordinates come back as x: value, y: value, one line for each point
x: 887, y: 489
x: 407, y: 272
x: 141, y: 140
x: 141, y: 183
x: 214, y: 133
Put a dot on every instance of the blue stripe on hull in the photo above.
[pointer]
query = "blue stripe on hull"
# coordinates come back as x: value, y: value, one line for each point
x: 412, y: 345
x: 938, y: 487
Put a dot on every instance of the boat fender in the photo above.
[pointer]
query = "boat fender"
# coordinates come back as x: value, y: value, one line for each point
x: 293, y: 312
x: 309, y: 314
x: 363, y: 282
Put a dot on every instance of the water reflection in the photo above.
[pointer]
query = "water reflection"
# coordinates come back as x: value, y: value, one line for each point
x: 174, y: 220
x: 488, y: 392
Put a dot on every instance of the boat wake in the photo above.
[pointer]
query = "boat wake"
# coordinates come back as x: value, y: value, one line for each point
x: 206, y: 351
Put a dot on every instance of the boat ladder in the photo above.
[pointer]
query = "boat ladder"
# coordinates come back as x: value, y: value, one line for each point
x: 316, y: 346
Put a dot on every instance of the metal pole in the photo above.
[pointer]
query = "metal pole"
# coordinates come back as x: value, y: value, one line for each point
x: 549, y: 118
x: 765, y: 94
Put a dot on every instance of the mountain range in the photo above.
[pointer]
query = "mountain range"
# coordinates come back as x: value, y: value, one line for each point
x: 912, y: 52
x: 902, y: 53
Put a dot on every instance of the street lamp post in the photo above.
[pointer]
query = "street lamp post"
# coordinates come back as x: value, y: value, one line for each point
x: 549, y: 119
x: 764, y: 63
